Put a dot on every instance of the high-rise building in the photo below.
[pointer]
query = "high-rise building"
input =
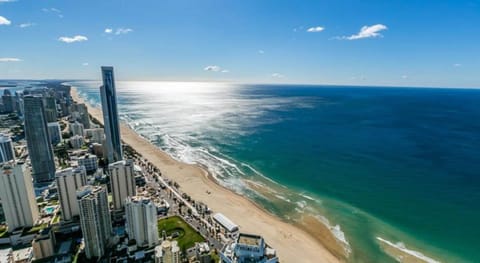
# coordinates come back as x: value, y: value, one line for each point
x: 17, y: 194
x: 38, y: 141
x: 43, y: 244
x: 122, y: 180
x: 76, y: 141
x: 50, y: 108
x: 141, y: 221
x: 76, y: 128
x: 6, y: 149
x: 54, y: 133
x: 110, y: 116
x: 68, y: 182
x: 90, y: 161
x: 95, y: 135
x: 83, y: 117
x: 94, y: 219
x: 8, y: 102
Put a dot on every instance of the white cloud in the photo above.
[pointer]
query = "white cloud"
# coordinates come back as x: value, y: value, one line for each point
x: 212, y: 68
x: 367, y: 32
x: 315, y: 29
x: 121, y: 31
x: 278, y: 75
x: 261, y: 52
x: 24, y: 25
x: 85, y: 64
x: 53, y: 10
x: 225, y: 71
x: 118, y: 31
x: 7, y: 1
x: 4, y: 21
x: 77, y: 38
x: 456, y: 65
x: 404, y: 77
x: 10, y: 60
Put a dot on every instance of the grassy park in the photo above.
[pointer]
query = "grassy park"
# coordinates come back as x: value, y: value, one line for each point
x: 187, y: 236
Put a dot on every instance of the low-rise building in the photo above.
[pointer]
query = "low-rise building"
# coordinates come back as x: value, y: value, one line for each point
x: 202, y: 253
x: 167, y: 252
x: 248, y: 248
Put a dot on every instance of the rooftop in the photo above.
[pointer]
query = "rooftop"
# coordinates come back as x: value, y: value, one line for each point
x: 249, y: 240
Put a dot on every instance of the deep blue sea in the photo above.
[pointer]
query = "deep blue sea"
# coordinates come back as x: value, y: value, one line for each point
x: 395, y: 164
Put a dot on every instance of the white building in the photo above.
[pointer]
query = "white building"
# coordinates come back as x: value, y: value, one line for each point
x: 17, y: 194
x: 122, y: 180
x: 167, y: 252
x: 90, y: 162
x: 248, y: 248
x: 54, y: 132
x: 141, y: 221
x: 76, y: 128
x: 95, y: 135
x: 226, y: 223
x: 7, y: 153
x: 44, y: 244
x: 76, y: 141
x: 68, y: 182
x: 94, y: 219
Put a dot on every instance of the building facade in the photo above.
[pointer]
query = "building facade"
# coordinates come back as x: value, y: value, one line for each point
x: 7, y: 153
x: 110, y: 116
x: 95, y: 135
x: 17, y: 194
x: 38, y: 141
x: 43, y: 244
x: 54, y: 133
x: 94, y: 219
x: 122, y: 180
x: 68, y: 182
x: 167, y: 252
x: 141, y: 221
x: 76, y: 128
x: 89, y: 161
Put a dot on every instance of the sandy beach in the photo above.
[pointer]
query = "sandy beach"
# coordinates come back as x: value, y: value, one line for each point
x: 293, y: 243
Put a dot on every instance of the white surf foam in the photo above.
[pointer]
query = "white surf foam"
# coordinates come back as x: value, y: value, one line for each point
x: 401, y: 246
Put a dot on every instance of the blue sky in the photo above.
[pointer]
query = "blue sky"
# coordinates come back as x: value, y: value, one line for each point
x: 403, y: 43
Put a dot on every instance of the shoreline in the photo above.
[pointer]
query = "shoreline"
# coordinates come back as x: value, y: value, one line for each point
x: 289, y: 240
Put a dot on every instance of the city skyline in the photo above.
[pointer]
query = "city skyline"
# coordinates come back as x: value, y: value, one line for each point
x: 324, y: 42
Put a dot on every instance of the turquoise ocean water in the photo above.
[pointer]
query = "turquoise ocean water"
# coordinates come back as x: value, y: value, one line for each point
x: 400, y: 165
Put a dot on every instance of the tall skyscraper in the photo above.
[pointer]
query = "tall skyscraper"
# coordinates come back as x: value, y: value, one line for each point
x: 8, y: 102
x: 141, y: 221
x: 122, y: 180
x: 50, y: 108
x: 38, y: 141
x: 17, y: 194
x: 68, y: 182
x: 6, y: 149
x: 110, y: 116
x: 94, y: 219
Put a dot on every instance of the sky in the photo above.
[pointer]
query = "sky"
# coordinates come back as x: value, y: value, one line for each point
x: 370, y: 42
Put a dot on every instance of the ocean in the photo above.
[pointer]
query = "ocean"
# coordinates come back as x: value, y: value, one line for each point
x: 384, y: 167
